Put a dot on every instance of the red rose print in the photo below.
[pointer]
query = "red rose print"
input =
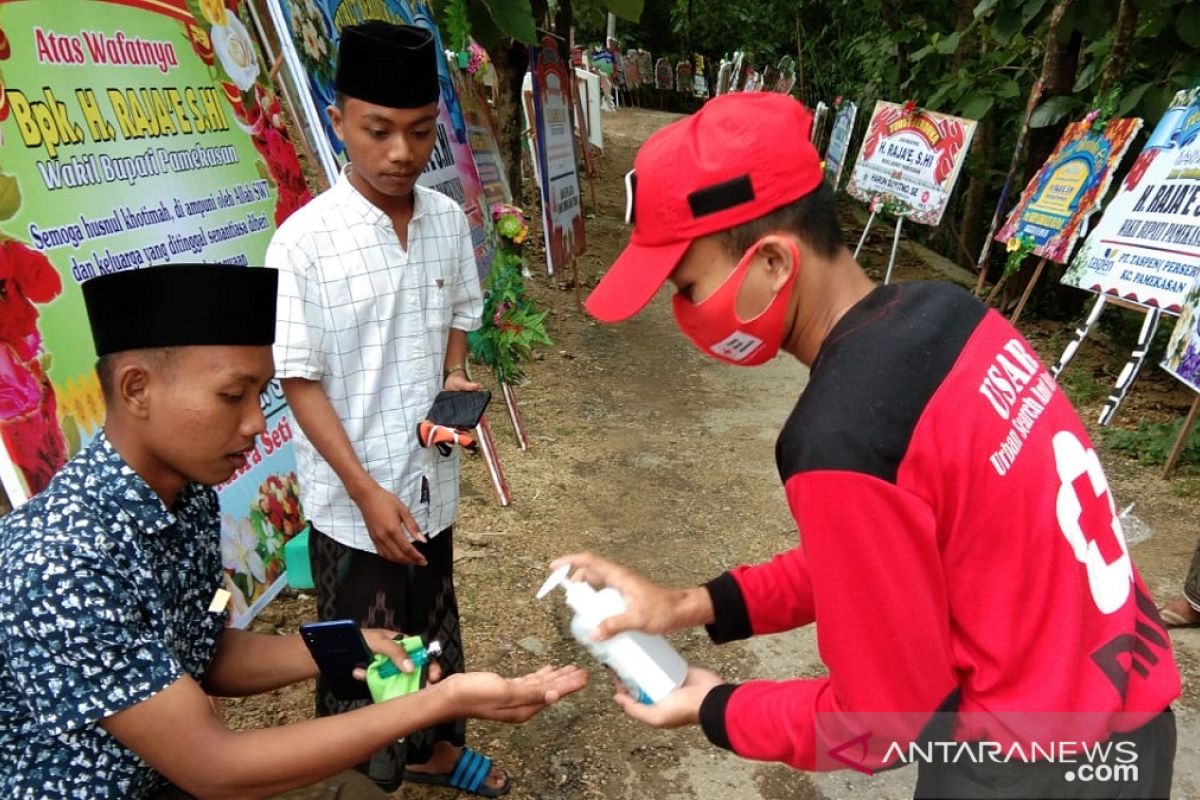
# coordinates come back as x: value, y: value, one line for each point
x: 1138, y: 171
x: 34, y: 439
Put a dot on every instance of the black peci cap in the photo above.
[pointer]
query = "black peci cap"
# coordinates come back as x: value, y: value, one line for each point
x: 387, y: 64
x: 179, y: 305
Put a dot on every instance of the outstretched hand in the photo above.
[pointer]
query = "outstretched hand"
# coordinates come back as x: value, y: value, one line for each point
x: 681, y: 707
x: 486, y: 695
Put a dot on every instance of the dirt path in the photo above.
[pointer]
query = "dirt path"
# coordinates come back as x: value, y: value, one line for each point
x: 646, y: 451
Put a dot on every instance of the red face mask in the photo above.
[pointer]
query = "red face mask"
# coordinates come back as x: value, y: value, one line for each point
x: 714, y: 326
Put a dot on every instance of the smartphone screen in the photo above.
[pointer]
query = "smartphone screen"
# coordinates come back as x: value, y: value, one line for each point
x: 338, y: 648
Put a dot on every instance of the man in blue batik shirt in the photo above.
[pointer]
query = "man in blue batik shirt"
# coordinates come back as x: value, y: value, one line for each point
x: 110, y: 642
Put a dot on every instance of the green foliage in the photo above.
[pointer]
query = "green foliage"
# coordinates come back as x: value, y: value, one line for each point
x: 626, y: 9
x: 1151, y: 442
x: 513, y: 17
x: 456, y: 24
x: 488, y: 21
x: 1082, y: 386
x: 976, y: 59
x: 591, y: 17
x: 1054, y: 110
x: 512, y: 325
x: 1018, y: 248
x: 491, y: 22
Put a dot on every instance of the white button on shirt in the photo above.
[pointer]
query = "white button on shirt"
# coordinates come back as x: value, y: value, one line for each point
x: 370, y: 321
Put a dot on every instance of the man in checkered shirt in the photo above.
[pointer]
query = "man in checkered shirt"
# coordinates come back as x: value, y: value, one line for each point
x: 378, y: 289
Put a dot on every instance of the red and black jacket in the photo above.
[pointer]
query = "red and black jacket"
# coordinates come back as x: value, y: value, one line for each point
x: 958, y: 543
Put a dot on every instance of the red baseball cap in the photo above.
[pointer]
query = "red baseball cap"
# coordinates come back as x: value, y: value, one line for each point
x: 741, y: 156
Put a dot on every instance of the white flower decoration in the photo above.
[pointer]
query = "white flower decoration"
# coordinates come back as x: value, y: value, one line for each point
x: 239, y: 548
x: 312, y: 44
x: 235, y: 49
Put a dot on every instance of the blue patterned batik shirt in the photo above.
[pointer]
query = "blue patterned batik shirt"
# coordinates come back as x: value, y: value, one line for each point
x: 104, y: 597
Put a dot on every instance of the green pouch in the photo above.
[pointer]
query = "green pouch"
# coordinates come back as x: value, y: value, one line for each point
x: 295, y: 559
x: 385, y: 680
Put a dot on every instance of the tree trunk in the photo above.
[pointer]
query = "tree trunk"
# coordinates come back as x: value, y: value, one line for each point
x: 802, y: 90
x: 1118, y: 57
x: 1059, y: 66
x: 973, y: 223
x: 970, y: 229
x: 1058, y: 78
x: 895, y: 16
x: 511, y: 61
x: 963, y: 17
x: 564, y: 18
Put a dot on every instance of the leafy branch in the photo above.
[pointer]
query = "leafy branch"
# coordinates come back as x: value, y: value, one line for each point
x: 512, y: 325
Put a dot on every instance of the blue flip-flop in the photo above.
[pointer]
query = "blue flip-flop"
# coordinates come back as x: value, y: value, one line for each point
x: 468, y: 775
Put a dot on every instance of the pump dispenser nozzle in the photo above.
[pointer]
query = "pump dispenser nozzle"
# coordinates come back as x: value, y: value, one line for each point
x: 648, y: 665
x: 556, y: 579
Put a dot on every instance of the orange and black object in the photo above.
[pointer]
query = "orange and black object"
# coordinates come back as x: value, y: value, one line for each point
x: 452, y: 420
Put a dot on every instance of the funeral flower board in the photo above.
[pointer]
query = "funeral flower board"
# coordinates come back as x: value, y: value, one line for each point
x: 912, y: 157
x: 1146, y: 247
x: 1054, y: 208
x: 134, y: 134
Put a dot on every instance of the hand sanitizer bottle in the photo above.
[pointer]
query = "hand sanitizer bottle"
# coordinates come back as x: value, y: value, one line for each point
x: 647, y: 665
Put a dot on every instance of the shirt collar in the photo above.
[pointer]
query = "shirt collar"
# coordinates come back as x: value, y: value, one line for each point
x: 124, y: 487
x: 372, y: 213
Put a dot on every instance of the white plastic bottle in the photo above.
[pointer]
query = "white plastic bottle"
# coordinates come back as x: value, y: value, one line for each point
x: 647, y: 665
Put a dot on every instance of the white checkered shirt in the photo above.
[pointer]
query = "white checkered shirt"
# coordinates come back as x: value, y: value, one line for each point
x: 371, y: 322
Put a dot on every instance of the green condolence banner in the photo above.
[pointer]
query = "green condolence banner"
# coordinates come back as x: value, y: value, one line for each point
x: 135, y: 133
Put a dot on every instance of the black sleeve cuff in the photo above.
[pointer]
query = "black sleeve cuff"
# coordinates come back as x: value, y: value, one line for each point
x: 712, y: 714
x: 731, y: 621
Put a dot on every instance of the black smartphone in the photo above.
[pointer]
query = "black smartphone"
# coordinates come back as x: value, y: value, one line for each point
x: 461, y: 410
x: 338, y: 647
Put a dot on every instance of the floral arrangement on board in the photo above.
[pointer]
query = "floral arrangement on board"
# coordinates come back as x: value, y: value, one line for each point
x: 29, y: 422
x: 511, y: 323
x: 1018, y: 248
x: 229, y: 51
x: 313, y: 43
x: 1105, y: 109
x: 477, y: 60
x: 887, y: 204
x: 1183, y: 349
x: 252, y: 547
x: 29, y: 425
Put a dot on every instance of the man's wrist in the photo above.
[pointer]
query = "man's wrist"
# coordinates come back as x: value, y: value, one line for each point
x: 693, y: 608
x: 699, y: 693
x: 445, y: 698
x: 359, y: 487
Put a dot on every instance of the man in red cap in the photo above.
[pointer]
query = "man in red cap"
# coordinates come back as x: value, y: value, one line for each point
x: 958, y: 543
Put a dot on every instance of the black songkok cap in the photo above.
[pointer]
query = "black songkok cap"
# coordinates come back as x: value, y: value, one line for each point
x: 179, y: 305
x: 388, y: 65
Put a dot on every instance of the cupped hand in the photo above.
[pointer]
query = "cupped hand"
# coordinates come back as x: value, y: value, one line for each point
x: 486, y: 695
x: 681, y: 707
